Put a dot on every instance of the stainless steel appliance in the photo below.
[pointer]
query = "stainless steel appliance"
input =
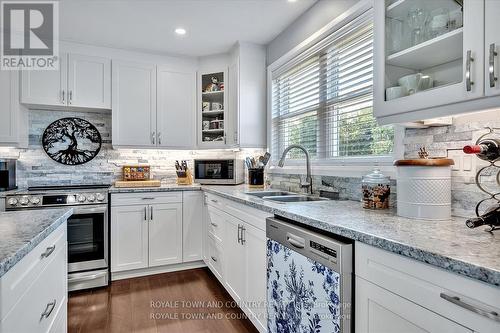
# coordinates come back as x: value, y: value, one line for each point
x: 7, y: 174
x: 219, y: 172
x: 87, y: 228
x: 309, y: 279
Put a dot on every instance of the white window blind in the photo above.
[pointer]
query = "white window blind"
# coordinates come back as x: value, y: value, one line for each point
x: 322, y: 99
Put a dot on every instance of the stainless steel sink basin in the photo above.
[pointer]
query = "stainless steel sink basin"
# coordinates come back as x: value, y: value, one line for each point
x: 294, y: 198
x: 262, y: 194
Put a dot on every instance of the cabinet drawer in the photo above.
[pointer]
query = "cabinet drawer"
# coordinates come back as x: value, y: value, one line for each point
x: 215, y: 222
x: 145, y: 198
x: 38, y: 308
x: 428, y: 286
x: 215, y: 258
x: 15, y: 283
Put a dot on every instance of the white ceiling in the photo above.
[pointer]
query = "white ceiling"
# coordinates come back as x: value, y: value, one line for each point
x: 213, y: 26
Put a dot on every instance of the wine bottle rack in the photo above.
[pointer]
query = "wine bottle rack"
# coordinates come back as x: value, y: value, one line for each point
x: 491, y: 195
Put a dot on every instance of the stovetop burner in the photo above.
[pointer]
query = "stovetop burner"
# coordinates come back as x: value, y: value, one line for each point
x: 68, y: 187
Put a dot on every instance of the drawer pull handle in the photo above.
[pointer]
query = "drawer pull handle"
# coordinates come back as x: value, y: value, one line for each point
x: 214, y: 201
x: 147, y: 198
x: 48, y: 251
x: 48, y: 310
x: 214, y: 259
x: 213, y: 224
x: 457, y: 301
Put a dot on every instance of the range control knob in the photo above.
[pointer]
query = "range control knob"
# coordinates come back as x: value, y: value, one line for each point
x: 99, y: 197
x: 81, y: 198
x: 24, y: 200
x: 12, y: 201
x: 91, y: 198
x: 35, y: 200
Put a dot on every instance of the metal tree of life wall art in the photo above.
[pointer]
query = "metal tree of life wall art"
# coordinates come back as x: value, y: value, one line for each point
x: 71, y: 141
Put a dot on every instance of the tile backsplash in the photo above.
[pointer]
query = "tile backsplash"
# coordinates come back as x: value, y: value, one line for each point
x: 36, y: 168
x: 440, y: 141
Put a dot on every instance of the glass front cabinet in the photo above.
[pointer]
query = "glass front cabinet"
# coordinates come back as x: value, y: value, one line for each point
x: 212, y: 108
x: 431, y: 54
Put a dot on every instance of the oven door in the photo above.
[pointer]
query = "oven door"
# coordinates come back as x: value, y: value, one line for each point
x: 88, y: 238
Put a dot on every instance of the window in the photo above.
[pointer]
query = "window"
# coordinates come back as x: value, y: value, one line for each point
x: 322, y: 99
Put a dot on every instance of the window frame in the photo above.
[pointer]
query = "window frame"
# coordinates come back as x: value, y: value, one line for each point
x: 330, y: 166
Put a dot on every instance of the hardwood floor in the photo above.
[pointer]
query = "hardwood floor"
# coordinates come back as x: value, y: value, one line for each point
x: 158, y: 303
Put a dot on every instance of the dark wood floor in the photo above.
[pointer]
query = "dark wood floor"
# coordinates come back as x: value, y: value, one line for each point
x: 134, y: 305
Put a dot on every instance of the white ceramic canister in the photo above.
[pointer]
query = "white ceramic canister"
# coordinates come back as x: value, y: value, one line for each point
x: 424, y: 188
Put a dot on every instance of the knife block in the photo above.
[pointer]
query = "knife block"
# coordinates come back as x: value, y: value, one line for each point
x: 188, y: 180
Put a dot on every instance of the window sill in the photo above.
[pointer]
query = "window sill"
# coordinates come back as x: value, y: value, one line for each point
x: 334, y: 170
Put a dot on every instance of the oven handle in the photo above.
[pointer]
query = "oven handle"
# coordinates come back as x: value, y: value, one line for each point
x: 89, y: 210
x: 87, y: 277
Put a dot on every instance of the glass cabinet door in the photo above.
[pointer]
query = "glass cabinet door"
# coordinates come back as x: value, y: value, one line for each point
x: 431, y: 53
x: 212, y: 108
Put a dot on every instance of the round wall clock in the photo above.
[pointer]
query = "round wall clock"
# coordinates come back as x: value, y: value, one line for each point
x: 71, y: 141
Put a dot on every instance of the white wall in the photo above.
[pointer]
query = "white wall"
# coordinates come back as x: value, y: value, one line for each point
x: 303, y: 27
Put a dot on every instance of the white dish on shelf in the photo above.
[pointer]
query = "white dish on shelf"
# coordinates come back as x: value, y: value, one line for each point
x: 395, y: 92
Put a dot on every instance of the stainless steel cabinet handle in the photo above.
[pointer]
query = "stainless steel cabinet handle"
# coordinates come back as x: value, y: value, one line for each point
x: 159, y: 138
x: 214, y: 259
x: 491, y: 67
x: 48, y: 251
x: 153, y: 138
x: 468, y: 79
x: 48, y: 309
x: 239, y: 233
x: 243, y: 240
x: 70, y: 96
x: 213, y: 224
x: 214, y: 201
x: 457, y: 301
x: 63, y: 97
x: 145, y: 213
x: 296, y: 241
x: 147, y: 198
x: 151, y: 213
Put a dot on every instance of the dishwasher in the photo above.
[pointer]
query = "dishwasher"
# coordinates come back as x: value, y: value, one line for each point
x: 309, y: 280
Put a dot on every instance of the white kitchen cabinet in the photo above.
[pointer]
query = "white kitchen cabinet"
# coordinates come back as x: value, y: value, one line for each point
x: 454, y: 61
x: 129, y: 237
x: 380, y: 311
x: 89, y: 81
x: 134, y: 104
x: 492, y: 47
x: 235, y: 274
x: 165, y: 234
x: 176, y: 121
x: 192, y: 225
x: 398, y: 294
x: 82, y: 81
x: 14, y: 124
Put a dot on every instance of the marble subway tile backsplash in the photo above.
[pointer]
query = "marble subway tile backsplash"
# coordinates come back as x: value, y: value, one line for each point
x: 36, y: 168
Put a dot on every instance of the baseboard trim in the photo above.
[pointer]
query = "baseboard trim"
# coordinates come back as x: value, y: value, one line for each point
x: 156, y: 270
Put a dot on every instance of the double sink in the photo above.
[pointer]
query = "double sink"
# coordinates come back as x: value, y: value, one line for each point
x: 284, y: 197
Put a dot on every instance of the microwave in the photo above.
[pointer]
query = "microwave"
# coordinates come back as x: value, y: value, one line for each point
x: 219, y: 172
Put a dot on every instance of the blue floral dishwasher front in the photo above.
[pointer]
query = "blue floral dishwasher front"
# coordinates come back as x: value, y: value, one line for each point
x: 309, y: 280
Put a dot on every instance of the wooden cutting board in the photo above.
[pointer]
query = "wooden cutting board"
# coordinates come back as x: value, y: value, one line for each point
x: 138, y: 183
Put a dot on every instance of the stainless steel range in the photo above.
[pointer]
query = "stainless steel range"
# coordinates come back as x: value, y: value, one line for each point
x: 87, y: 228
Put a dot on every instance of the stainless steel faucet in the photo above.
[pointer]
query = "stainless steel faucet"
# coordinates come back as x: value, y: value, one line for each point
x: 309, y: 182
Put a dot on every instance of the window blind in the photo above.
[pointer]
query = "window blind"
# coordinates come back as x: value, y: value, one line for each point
x: 322, y: 99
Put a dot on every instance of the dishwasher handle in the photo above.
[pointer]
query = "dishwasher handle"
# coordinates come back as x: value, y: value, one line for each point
x: 296, y: 241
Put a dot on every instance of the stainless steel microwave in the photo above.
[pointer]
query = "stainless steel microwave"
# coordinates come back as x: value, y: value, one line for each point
x: 219, y: 172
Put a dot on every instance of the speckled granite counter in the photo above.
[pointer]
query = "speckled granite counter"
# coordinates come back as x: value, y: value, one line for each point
x: 162, y: 188
x: 21, y: 231
x: 446, y: 244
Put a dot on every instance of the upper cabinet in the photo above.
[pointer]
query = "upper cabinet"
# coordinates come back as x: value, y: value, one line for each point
x: 14, y: 124
x: 429, y: 57
x: 82, y: 81
x: 492, y: 44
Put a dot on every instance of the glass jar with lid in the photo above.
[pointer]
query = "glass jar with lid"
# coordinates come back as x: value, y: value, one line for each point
x: 376, y: 189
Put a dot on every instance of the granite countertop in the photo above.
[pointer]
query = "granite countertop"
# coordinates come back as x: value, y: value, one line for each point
x: 445, y: 244
x: 22, y: 231
x: 162, y: 188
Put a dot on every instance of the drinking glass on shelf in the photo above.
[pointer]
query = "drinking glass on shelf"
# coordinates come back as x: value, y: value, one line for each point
x: 394, y: 35
x: 417, y: 19
x: 439, y: 22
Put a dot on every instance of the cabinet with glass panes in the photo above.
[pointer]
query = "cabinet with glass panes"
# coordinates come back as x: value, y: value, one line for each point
x: 212, y: 108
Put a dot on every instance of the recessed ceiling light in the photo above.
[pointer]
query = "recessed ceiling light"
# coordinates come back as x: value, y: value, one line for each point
x: 180, y: 31
x: 292, y: 0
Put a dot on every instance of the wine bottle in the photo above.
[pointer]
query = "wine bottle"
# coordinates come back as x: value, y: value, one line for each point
x: 490, y: 217
x: 487, y: 149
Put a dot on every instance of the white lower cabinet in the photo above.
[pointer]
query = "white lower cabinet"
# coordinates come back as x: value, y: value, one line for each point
x: 34, y: 292
x: 192, y: 225
x: 398, y: 294
x: 165, y: 234
x: 236, y: 241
